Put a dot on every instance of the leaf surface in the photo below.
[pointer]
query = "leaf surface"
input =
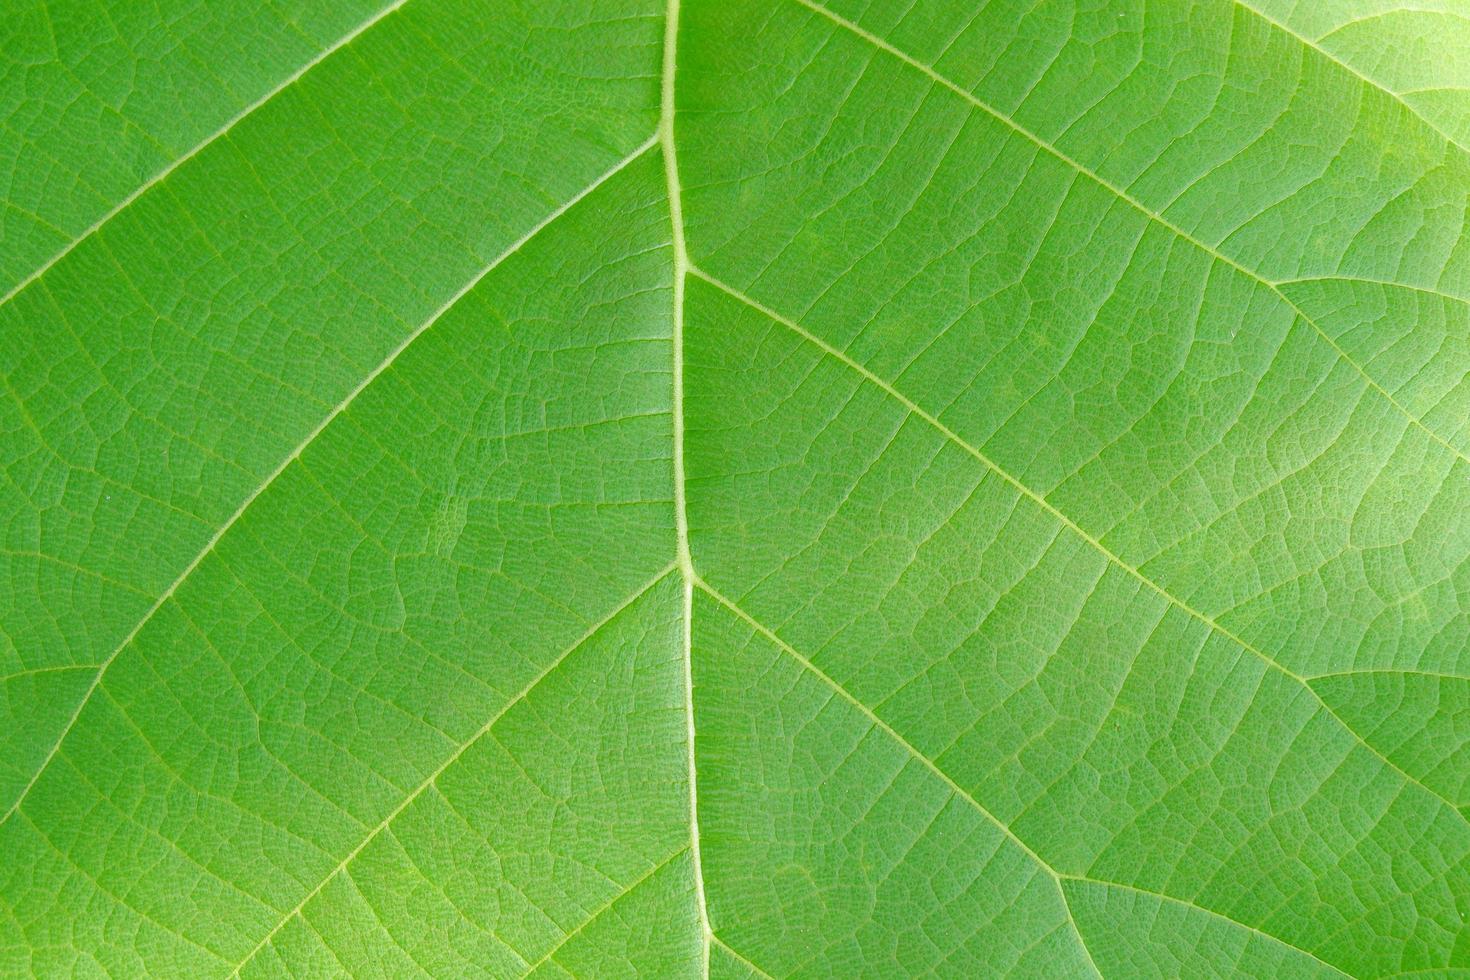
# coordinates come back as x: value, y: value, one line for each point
x: 750, y: 488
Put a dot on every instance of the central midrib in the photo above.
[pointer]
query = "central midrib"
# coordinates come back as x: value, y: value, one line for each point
x: 681, y: 515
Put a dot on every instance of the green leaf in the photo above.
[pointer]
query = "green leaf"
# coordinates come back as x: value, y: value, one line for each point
x: 761, y: 489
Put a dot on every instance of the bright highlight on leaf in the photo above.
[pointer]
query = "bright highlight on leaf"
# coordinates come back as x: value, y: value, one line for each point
x: 735, y: 488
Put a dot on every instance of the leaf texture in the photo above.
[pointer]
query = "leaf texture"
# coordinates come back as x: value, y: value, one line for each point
x: 735, y: 488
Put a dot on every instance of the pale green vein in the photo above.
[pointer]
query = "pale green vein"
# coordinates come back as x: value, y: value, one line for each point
x: 1076, y: 927
x: 1366, y: 280
x: 78, y: 569
x: 120, y: 899
x: 1275, y: 940
x: 63, y: 668
x: 1059, y: 877
x: 213, y: 137
x: 913, y: 408
x: 1133, y: 202
x: 735, y: 953
x: 1394, y: 671
x: 464, y: 746
x: 597, y: 912
x: 876, y: 721
x: 311, y: 436
x: 893, y: 733
x: 1370, y: 82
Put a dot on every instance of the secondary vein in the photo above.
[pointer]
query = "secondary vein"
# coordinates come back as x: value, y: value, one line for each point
x: 1133, y: 202
x: 301, y: 447
x: 1370, y: 82
x: 913, y: 750
x: 433, y: 777
x: 1099, y: 882
x: 198, y: 148
x: 919, y: 412
x: 1059, y: 877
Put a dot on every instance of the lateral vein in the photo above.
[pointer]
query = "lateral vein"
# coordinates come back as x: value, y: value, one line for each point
x: 1372, y: 83
x: 1060, y: 877
x: 959, y: 791
x: 913, y: 408
x: 1084, y: 879
x: 301, y: 447
x: 604, y: 907
x: 1133, y: 202
x: 876, y: 721
x: 464, y: 746
x: 198, y: 148
x: 739, y: 956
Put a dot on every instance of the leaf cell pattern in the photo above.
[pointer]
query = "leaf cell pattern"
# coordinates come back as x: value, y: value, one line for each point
x: 735, y: 488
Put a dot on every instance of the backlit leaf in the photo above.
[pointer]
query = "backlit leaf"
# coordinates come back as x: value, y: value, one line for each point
x: 735, y: 488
